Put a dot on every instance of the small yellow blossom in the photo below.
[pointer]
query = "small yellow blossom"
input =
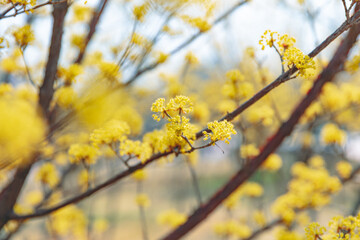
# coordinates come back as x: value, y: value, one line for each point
x: 249, y: 151
x: 33, y: 198
x: 344, y: 169
x: 70, y: 74
x: 316, y: 161
x: 139, y: 149
x: 219, y: 131
x: 171, y: 218
x: 113, y: 131
x: 139, y: 175
x: 101, y: 225
x: 314, y: 231
x: 161, y: 57
x: 142, y: 200
x: 232, y: 228
x: 272, y: 163
x: 191, y: 58
x: 259, y: 218
x: 235, y: 75
x: 48, y: 174
x: 65, y: 97
x: 331, y: 134
x: 24, y: 36
x: 82, y: 153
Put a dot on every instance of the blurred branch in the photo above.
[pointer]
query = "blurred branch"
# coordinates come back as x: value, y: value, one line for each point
x: 92, y: 28
x: 11, y: 192
x: 139, y: 71
x: 287, y: 75
x: 47, y: 88
x: 285, y: 130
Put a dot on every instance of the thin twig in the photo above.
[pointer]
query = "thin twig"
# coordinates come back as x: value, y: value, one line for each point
x: 27, y: 68
x: 151, y: 66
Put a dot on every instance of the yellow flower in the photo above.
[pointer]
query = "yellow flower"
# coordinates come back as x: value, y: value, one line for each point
x: 33, y: 198
x: 272, y: 163
x: 140, y: 12
x: 235, y: 75
x: 171, y: 218
x: 162, y: 57
x: 344, y: 169
x: 65, y: 97
x: 249, y: 151
x: 219, y: 131
x: 191, y: 58
x: 232, y: 228
x: 24, y: 36
x: 316, y: 161
x: 113, y: 131
x: 48, y: 174
x: 139, y: 175
x: 142, y: 200
x: 69, y: 74
x: 314, y: 231
x: 331, y: 134
x: 139, y: 149
x: 22, y: 130
x: 82, y: 153
x: 259, y: 218
x: 101, y: 225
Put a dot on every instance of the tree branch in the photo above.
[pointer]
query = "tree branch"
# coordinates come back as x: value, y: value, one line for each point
x: 92, y: 27
x: 10, y: 194
x: 244, y: 174
x: 151, y: 66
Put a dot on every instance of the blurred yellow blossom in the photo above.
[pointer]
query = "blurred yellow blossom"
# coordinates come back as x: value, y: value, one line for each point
x: 331, y: 134
x: 344, y: 169
x: 171, y: 218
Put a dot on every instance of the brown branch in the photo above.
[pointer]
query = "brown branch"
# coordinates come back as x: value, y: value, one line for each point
x: 47, y: 88
x: 10, y: 194
x: 92, y: 27
x: 285, y: 130
x: 151, y: 66
x: 286, y: 76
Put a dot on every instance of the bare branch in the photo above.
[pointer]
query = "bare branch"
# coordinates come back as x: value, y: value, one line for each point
x: 139, y: 72
x: 92, y: 27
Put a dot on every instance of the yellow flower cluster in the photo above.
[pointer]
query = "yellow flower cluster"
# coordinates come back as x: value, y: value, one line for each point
x: 22, y: 128
x: 113, y: 131
x: 331, y: 134
x: 142, y: 200
x: 81, y: 13
x: 178, y: 105
x: 295, y: 57
x: 83, y: 153
x: 272, y: 163
x: 291, y: 56
x: 339, y: 228
x: 344, y: 169
x: 48, y: 174
x: 191, y: 58
x: 263, y: 114
x: 232, y: 228
x: 70, y: 73
x: 141, y: 150
x: 249, y: 151
x: 69, y: 221
x: 161, y: 57
x: 140, y: 11
x: 65, y: 97
x: 219, y: 131
x: 171, y: 218
x: 200, y: 23
x: 353, y: 64
x: 235, y: 88
x: 249, y: 189
x: 139, y: 175
x: 286, y: 234
x: 310, y: 187
x: 314, y: 231
x: 23, y: 36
